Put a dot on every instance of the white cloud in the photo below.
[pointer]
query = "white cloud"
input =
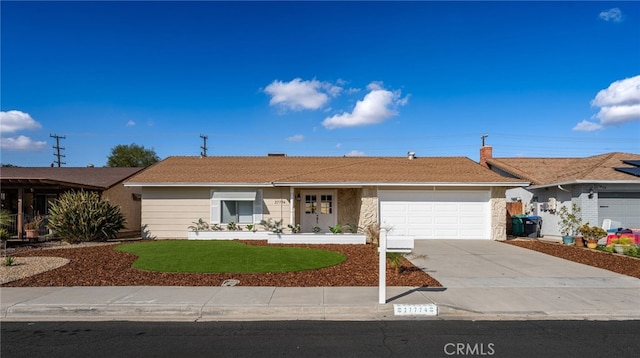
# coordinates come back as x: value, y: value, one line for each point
x: 13, y: 121
x: 131, y: 123
x: 296, y: 138
x: 619, y: 103
x: 338, y: 145
x: 355, y: 153
x: 298, y: 94
x: 21, y: 143
x: 586, y: 126
x: 377, y: 106
x: 614, y: 15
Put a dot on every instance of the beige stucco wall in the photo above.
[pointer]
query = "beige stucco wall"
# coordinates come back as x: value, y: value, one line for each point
x: 130, y: 207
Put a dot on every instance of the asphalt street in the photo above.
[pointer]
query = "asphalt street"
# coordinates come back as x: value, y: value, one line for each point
x: 322, y: 339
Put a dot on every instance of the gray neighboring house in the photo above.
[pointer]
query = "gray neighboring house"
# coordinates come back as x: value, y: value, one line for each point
x: 28, y: 191
x: 605, y: 186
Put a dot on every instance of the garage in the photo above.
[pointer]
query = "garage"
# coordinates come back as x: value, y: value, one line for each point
x: 429, y: 214
x: 623, y: 207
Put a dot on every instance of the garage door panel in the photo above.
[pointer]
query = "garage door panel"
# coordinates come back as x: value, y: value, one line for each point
x: 620, y: 206
x: 436, y: 215
x: 471, y: 220
x: 419, y: 220
x: 450, y: 208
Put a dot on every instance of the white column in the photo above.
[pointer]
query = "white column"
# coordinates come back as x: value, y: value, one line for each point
x: 382, y: 275
x: 291, y: 206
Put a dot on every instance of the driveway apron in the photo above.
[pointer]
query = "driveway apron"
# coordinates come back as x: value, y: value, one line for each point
x: 482, y: 263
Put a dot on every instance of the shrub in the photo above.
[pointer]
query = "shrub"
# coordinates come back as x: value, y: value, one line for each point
x: 79, y: 216
x: 274, y: 227
x: 5, y: 218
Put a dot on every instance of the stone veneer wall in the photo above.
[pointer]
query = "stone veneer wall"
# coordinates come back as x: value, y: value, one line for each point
x: 498, y: 214
x: 368, y: 207
x: 348, y: 206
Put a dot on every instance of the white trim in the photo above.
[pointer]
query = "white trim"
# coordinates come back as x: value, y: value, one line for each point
x: 234, y: 195
x: 581, y: 181
x: 417, y: 184
x: 187, y: 184
x: 351, y: 185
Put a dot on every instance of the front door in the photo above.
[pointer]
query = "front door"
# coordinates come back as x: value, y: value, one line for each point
x: 318, y: 210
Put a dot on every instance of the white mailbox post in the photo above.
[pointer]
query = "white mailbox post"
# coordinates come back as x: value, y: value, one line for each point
x: 389, y: 243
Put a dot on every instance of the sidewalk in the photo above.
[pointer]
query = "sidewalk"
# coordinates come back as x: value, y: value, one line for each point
x: 483, y: 281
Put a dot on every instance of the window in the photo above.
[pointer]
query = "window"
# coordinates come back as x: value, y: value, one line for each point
x: 240, y: 212
x: 238, y: 206
x: 326, y: 204
x: 310, y: 204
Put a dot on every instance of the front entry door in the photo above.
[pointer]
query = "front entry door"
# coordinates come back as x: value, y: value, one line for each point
x: 318, y: 210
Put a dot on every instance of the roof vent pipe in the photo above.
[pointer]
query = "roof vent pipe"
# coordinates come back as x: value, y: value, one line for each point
x: 412, y: 155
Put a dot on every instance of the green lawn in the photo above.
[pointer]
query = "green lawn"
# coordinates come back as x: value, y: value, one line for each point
x: 226, y: 256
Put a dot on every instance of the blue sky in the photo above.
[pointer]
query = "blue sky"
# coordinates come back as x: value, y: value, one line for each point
x: 319, y: 78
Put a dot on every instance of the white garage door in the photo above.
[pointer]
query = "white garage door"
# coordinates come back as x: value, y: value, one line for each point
x: 436, y: 214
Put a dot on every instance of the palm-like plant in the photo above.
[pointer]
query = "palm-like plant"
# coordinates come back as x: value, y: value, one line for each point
x: 79, y: 216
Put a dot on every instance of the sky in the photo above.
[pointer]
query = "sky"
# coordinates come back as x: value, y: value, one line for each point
x: 540, y: 79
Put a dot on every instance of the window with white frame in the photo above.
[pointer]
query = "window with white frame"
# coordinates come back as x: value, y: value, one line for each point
x: 240, y: 212
x: 241, y: 207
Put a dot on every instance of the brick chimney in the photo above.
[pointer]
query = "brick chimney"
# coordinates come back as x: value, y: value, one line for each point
x: 486, y: 152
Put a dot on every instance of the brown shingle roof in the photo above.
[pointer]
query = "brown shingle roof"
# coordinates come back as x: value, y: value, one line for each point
x: 99, y: 178
x: 542, y: 171
x: 267, y: 170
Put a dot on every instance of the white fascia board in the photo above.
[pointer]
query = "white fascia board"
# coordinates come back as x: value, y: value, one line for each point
x: 358, y: 185
x: 213, y: 185
x: 581, y: 181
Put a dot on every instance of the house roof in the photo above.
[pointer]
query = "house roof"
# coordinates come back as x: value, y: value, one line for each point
x: 89, y: 178
x: 284, y: 170
x: 549, y: 171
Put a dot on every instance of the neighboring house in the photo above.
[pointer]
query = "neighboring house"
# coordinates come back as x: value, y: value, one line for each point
x: 439, y: 197
x: 605, y: 186
x: 27, y: 191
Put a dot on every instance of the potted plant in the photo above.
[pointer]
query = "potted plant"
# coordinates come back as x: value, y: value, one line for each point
x: 32, y: 227
x: 622, y: 244
x: 569, y: 222
x: 592, y: 234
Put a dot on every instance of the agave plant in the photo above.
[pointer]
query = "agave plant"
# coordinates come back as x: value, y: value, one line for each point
x: 79, y: 216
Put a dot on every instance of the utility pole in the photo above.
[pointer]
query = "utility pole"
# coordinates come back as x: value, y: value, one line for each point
x: 204, y: 146
x: 483, y: 138
x: 58, y: 148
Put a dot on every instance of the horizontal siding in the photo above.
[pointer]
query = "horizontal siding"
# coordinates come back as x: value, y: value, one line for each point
x: 168, y: 212
x: 276, y: 205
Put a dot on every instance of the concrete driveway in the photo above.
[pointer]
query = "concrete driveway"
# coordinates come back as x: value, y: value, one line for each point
x: 496, y: 278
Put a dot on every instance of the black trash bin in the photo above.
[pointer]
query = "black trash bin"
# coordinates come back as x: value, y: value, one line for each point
x: 532, y: 226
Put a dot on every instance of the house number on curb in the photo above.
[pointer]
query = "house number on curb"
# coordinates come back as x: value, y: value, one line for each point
x: 404, y: 310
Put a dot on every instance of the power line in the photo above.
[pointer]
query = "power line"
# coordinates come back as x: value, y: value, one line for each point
x: 58, y: 148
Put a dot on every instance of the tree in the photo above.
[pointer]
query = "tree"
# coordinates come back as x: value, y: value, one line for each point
x: 131, y: 156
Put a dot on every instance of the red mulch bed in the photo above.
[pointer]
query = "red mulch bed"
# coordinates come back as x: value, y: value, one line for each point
x: 625, y: 265
x: 104, y: 266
